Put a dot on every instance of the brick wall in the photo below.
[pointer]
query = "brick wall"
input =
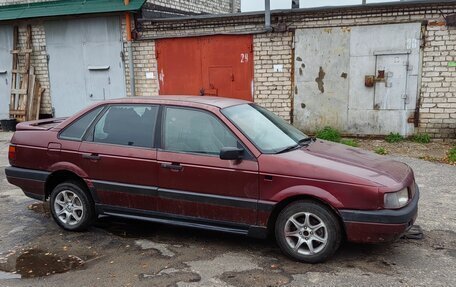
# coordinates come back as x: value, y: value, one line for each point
x: 196, y: 6
x: 273, y: 89
x: 438, y: 87
x: 201, y: 6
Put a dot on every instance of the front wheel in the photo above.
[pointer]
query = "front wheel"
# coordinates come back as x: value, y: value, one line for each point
x: 71, y: 208
x: 308, y: 231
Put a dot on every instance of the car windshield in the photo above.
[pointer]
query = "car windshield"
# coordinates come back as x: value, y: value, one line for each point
x: 268, y: 132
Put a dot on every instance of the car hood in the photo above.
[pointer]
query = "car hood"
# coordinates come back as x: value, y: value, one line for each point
x: 336, y: 162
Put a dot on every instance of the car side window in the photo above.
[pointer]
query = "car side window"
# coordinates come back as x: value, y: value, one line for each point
x: 189, y: 130
x: 77, y: 129
x: 129, y: 125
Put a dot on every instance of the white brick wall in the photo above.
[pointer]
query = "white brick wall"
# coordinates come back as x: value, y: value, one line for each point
x: 201, y: 6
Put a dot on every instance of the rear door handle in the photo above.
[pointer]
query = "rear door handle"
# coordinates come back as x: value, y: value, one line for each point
x: 172, y: 166
x: 91, y: 156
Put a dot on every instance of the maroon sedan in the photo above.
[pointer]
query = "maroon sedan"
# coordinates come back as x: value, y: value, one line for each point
x: 212, y: 163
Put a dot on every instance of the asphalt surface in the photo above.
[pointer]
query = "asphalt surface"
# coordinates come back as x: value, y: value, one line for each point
x: 35, y: 252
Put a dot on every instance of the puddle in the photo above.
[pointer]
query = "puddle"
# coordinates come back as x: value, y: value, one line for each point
x: 37, y: 263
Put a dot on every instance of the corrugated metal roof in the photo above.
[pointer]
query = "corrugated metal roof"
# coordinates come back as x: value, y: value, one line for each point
x: 65, y: 8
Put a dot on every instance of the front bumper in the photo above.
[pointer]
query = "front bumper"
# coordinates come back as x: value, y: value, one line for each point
x: 375, y: 226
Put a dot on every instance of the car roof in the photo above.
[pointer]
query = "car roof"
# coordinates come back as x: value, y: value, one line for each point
x: 219, y: 102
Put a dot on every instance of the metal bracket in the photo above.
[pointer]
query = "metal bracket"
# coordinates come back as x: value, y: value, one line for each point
x: 3, y: 71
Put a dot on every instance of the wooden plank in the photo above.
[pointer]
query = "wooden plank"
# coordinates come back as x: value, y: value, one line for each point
x: 17, y: 112
x: 21, y: 52
x: 18, y: 71
x: 38, y: 103
x: 30, y: 93
x: 19, y: 91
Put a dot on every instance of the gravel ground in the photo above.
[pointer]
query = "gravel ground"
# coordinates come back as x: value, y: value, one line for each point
x: 436, y: 151
x: 129, y: 253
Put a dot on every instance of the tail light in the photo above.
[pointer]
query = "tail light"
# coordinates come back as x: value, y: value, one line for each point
x: 12, y: 152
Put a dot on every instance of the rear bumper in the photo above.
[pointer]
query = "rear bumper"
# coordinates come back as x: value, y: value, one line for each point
x: 367, y: 226
x: 31, y: 181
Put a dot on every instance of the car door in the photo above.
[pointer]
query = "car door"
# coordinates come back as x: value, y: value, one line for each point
x: 120, y: 157
x: 193, y: 180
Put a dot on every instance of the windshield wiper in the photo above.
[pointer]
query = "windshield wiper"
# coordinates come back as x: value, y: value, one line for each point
x: 302, y: 142
x: 306, y: 141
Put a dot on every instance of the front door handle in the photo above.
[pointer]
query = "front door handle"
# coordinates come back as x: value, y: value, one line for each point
x: 172, y: 166
x: 91, y: 156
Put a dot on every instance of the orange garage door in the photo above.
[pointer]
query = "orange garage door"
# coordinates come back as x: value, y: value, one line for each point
x: 213, y: 65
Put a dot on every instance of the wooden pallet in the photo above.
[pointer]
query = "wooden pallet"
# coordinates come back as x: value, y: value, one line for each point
x: 26, y: 91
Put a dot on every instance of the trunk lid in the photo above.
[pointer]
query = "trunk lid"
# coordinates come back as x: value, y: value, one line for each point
x: 45, y: 124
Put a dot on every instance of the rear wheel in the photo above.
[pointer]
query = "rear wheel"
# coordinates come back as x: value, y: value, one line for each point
x: 308, y: 231
x: 71, y: 207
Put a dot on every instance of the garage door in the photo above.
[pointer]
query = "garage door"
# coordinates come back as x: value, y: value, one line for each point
x: 214, y: 65
x: 85, y: 63
x: 333, y: 68
x: 6, y: 61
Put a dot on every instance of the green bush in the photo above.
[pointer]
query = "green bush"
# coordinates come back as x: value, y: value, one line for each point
x: 381, y: 151
x: 421, y: 138
x: 394, y: 138
x: 349, y: 142
x: 329, y: 134
x: 452, y: 154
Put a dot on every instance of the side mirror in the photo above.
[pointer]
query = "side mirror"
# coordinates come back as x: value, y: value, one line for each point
x: 231, y: 153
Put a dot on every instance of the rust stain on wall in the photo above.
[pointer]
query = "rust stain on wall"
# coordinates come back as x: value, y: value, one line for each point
x: 319, y: 80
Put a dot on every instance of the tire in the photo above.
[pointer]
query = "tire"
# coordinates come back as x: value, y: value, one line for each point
x: 313, y: 226
x: 71, y: 207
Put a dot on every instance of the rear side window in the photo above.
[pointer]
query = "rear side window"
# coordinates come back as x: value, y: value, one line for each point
x: 129, y: 125
x: 76, y: 130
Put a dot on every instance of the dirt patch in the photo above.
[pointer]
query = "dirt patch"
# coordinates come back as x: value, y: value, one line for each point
x: 255, y: 278
x: 41, y: 207
x: 433, y: 151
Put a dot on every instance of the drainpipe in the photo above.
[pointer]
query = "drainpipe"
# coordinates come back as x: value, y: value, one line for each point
x: 267, y: 15
x: 130, y: 50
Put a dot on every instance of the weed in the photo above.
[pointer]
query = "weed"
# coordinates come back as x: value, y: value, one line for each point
x: 329, y: 134
x: 452, y: 155
x: 422, y: 138
x: 394, y: 138
x: 381, y: 151
x: 349, y: 142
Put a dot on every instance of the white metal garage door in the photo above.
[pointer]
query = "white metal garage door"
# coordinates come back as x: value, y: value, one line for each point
x: 85, y: 62
x: 6, y: 61
x: 331, y: 65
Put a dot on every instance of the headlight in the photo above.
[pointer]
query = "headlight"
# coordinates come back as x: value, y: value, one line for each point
x: 396, y: 199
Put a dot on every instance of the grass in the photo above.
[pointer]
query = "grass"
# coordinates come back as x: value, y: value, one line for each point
x: 452, y: 155
x: 349, y: 142
x: 421, y: 138
x: 381, y: 151
x: 329, y: 134
x: 394, y: 138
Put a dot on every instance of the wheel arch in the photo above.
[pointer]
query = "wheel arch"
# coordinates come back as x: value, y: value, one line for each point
x: 296, y: 197
x: 60, y: 176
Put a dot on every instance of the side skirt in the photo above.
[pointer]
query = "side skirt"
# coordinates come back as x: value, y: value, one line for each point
x: 185, y: 221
